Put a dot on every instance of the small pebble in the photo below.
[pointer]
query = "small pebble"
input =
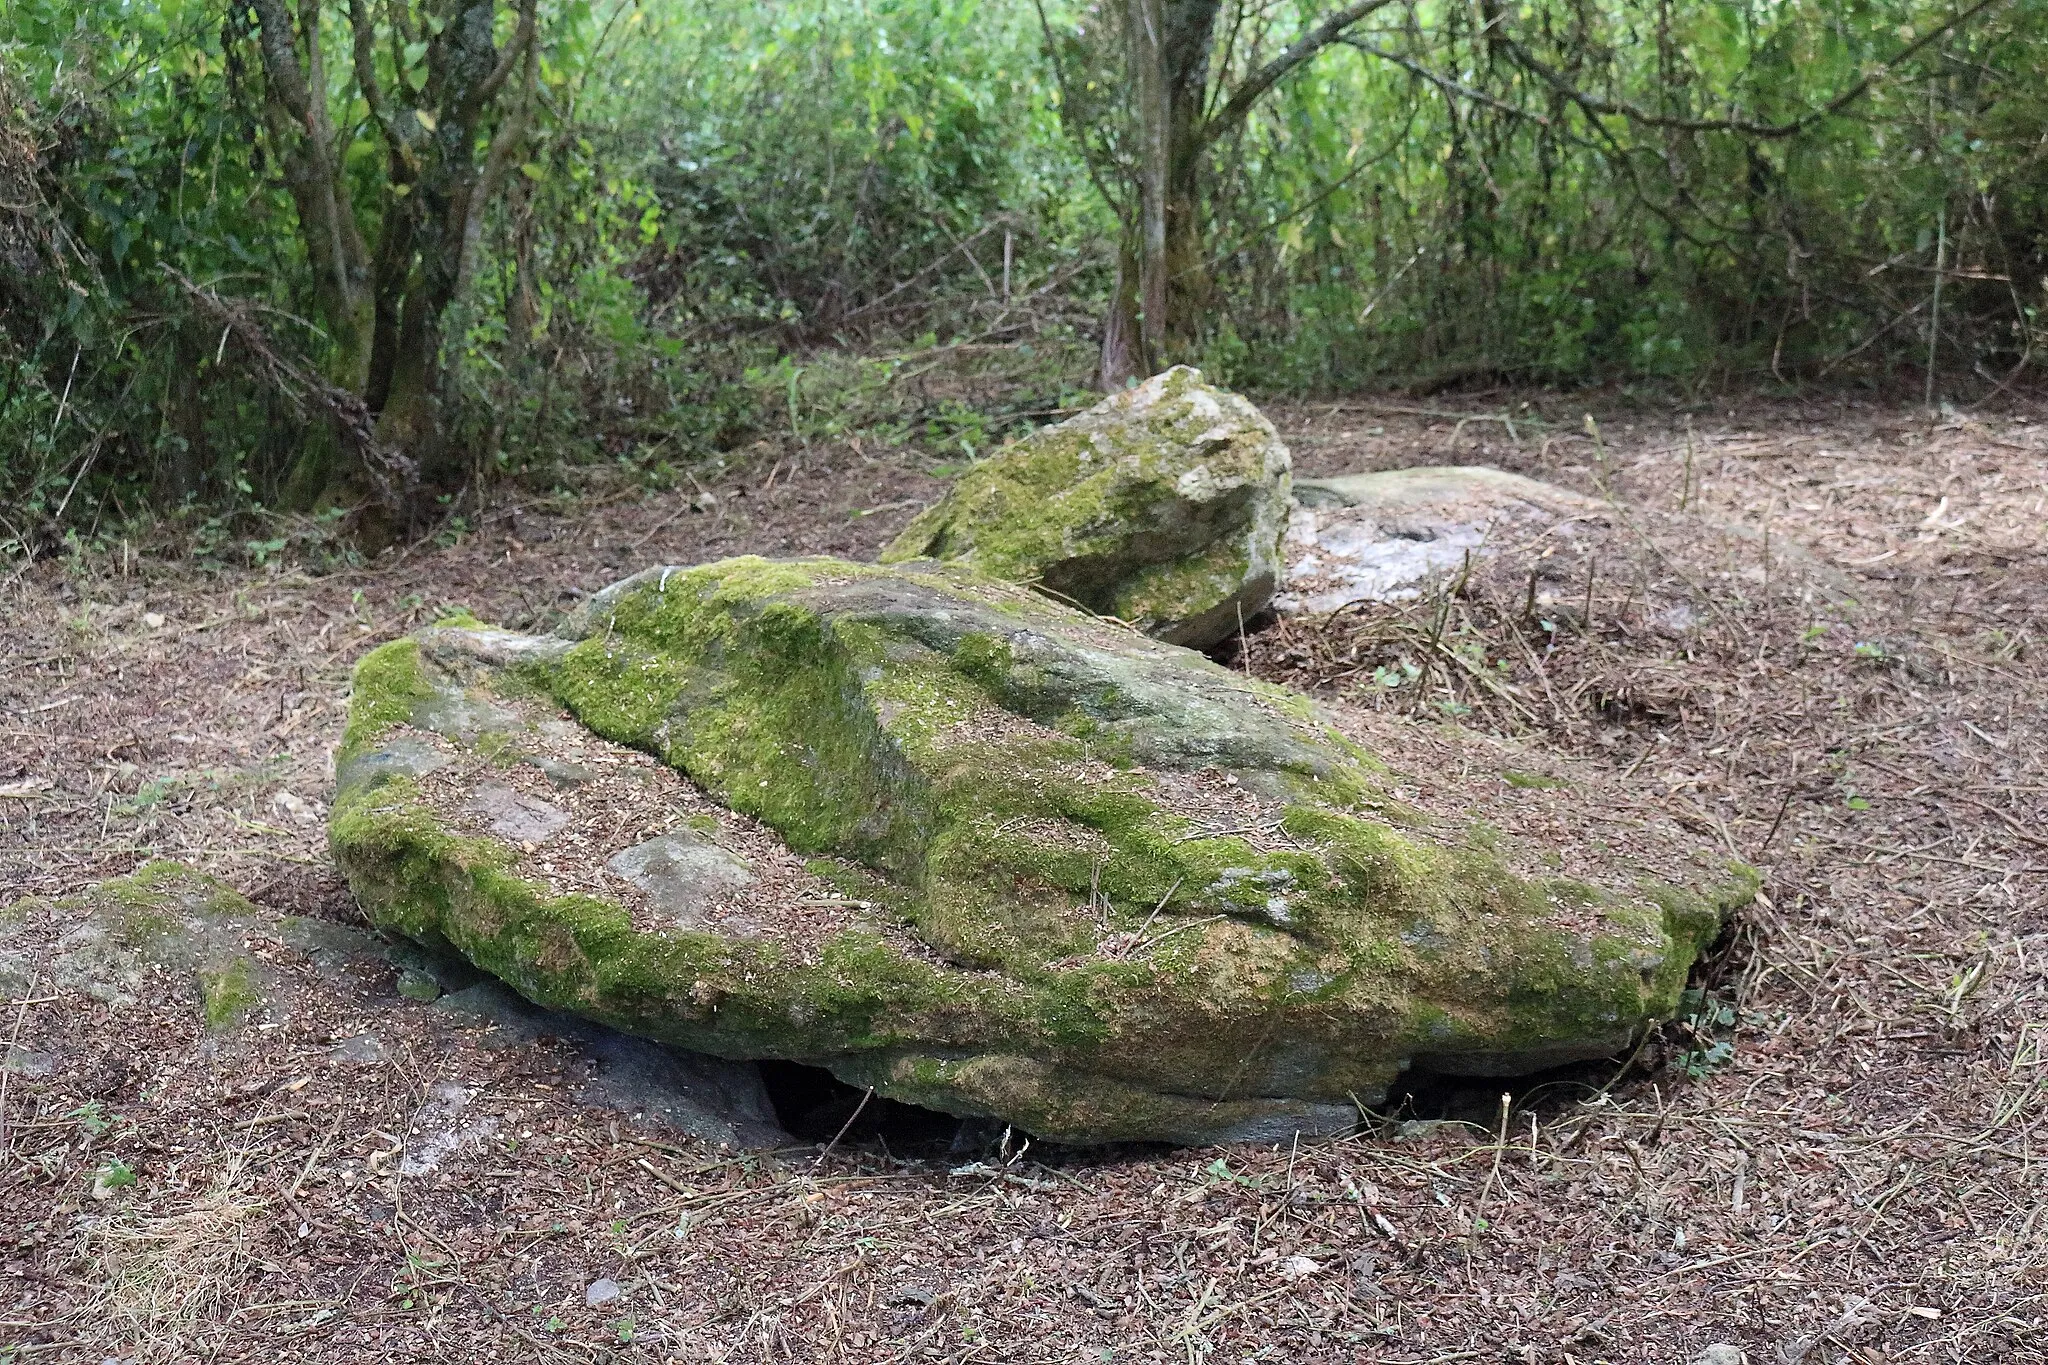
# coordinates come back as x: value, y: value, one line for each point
x: 601, y: 1292
x: 1720, y: 1353
x: 417, y: 985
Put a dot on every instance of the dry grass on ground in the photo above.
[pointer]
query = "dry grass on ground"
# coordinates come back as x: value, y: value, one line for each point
x: 1833, y: 1161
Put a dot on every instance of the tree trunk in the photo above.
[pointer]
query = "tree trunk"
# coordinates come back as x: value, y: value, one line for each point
x: 185, y: 412
x: 1168, y: 51
x: 385, y: 315
x: 1145, y: 36
x: 1123, y: 358
x: 441, y: 220
x: 1168, y: 44
x: 302, y: 133
x: 1190, y: 31
x: 295, y: 110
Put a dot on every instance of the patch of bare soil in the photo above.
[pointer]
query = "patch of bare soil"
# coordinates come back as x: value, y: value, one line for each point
x: 1831, y: 1160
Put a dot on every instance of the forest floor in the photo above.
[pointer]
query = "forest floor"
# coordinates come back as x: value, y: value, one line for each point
x: 1839, y: 1167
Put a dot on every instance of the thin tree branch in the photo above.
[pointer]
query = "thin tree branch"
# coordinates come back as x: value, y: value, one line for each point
x: 319, y: 125
x: 508, y: 59
x: 1445, y: 83
x: 352, y: 419
x: 1364, y: 164
x: 365, y: 28
x: 1059, y: 77
x: 1254, y: 87
x: 277, y: 39
x: 505, y: 142
x: 1594, y: 105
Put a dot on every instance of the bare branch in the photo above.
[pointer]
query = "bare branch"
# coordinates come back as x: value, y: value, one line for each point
x: 505, y: 142
x: 304, y: 387
x: 365, y: 29
x: 1254, y: 87
x: 508, y: 59
x: 1059, y: 76
x: 1595, y: 106
x: 277, y: 40
x: 401, y: 23
x: 1445, y: 83
x: 319, y: 125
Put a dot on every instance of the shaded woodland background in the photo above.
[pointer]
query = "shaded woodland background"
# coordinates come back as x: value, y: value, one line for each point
x: 264, y: 264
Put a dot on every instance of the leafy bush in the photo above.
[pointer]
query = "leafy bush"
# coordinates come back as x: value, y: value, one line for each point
x: 719, y: 194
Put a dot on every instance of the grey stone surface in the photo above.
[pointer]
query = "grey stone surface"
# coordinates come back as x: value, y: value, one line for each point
x: 514, y: 815
x: 682, y: 872
x: 365, y: 1049
x: 402, y: 757
x: 1383, y: 537
x: 719, y: 1101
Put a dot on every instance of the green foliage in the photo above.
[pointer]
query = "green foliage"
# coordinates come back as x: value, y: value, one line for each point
x: 228, y: 993
x: 134, y: 156
x: 92, y: 1116
x: 115, y: 1175
x: 719, y: 200
x: 1709, y: 1021
x: 1377, y: 221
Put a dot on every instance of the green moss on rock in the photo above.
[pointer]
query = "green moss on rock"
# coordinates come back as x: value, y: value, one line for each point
x: 228, y: 993
x: 1162, y: 506
x: 388, y: 684
x: 1113, y: 890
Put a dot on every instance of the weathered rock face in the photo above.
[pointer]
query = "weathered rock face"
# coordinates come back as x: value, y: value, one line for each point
x: 1384, y: 537
x: 990, y: 855
x: 1162, y: 506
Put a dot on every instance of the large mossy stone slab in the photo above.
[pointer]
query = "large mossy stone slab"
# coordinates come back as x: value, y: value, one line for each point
x: 998, y: 857
x: 1162, y: 506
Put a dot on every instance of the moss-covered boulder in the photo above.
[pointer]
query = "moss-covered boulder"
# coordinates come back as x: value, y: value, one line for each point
x: 1161, y: 506
x: 997, y: 857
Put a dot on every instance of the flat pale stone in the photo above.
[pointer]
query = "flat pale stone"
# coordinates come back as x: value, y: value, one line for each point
x: 1384, y: 537
x: 516, y: 816
x: 683, y: 873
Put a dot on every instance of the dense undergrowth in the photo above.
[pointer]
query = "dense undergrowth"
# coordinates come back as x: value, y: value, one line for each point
x: 728, y: 223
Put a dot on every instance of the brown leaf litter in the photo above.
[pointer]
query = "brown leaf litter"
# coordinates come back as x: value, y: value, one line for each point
x: 1832, y: 1160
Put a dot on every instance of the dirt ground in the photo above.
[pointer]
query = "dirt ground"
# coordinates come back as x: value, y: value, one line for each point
x: 1832, y: 1160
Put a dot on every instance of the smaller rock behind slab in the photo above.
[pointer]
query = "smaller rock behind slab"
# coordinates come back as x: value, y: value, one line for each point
x: 1162, y: 506
x: 1385, y: 537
